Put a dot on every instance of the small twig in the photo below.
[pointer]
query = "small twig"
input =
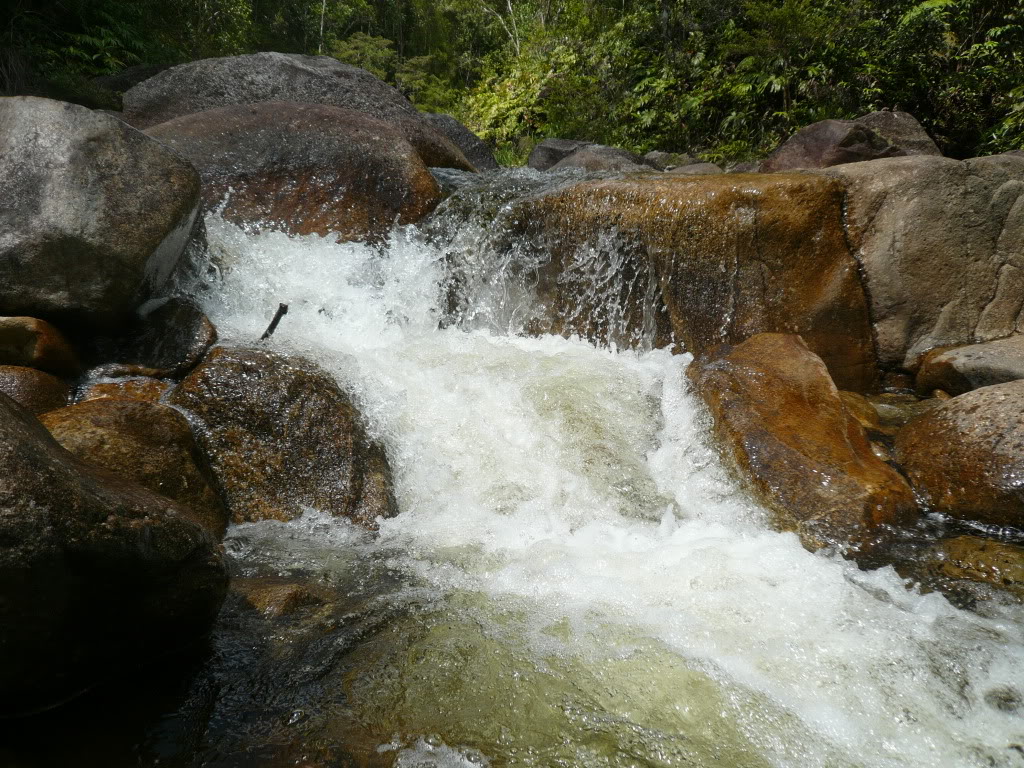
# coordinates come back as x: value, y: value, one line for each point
x: 282, y: 310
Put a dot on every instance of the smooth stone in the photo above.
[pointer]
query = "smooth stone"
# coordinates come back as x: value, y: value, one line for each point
x: 32, y: 389
x: 960, y: 369
x: 34, y: 343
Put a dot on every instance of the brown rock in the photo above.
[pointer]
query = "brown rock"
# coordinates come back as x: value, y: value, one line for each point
x: 33, y: 390
x: 957, y: 370
x: 276, y: 597
x: 983, y: 560
x: 281, y: 437
x: 34, y: 343
x: 138, y: 388
x: 828, y: 143
x: 965, y: 456
x: 147, y: 443
x: 862, y: 410
x: 304, y: 168
x: 97, y: 575
x: 778, y: 415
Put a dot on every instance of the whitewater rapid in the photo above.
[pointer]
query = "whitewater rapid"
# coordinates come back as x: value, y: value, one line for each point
x: 561, y: 504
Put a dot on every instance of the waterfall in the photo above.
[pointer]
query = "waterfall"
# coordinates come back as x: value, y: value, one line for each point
x: 574, y: 578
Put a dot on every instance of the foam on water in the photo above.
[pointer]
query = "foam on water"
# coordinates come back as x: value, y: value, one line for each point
x: 575, y: 485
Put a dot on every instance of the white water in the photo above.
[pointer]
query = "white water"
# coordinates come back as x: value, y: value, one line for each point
x: 574, y: 486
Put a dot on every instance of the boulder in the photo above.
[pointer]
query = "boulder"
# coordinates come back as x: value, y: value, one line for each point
x: 902, y: 130
x: 695, y: 169
x: 98, y: 575
x: 827, y: 143
x: 147, y: 443
x: 596, y: 157
x: 129, y: 388
x: 715, y: 258
x: 35, y: 343
x: 998, y: 564
x: 551, y: 151
x: 198, y: 86
x: 471, y: 145
x: 957, y: 370
x: 304, y: 168
x: 32, y: 389
x: 281, y: 437
x: 965, y: 457
x: 96, y: 214
x: 780, y: 419
x: 666, y: 161
x: 941, y: 246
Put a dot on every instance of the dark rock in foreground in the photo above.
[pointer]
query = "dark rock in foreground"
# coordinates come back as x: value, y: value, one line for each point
x: 98, y: 576
x: 472, y: 146
x: 781, y: 420
x: 281, y: 437
x: 96, y: 215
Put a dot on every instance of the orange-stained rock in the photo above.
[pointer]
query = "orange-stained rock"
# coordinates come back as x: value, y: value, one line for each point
x: 33, y: 390
x: 957, y: 370
x: 965, y: 456
x: 35, y: 343
x: 281, y: 437
x: 147, y: 443
x: 780, y: 418
x: 996, y: 563
x: 134, y: 388
x: 729, y: 256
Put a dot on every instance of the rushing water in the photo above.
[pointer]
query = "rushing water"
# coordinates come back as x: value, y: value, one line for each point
x: 573, y: 579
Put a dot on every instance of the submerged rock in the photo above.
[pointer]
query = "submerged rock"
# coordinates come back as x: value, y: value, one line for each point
x: 960, y: 369
x: 472, y: 146
x: 965, y: 457
x: 96, y: 215
x: 551, y: 151
x: 97, y: 575
x: 828, y: 143
x: 34, y: 343
x: 304, y: 168
x: 147, y: 443
x: 780, y: 418
x: 32, y: 389
x: 198, y: 86
x: 282, y: 437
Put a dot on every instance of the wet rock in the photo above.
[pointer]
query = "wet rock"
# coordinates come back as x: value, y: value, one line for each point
x: 97, y: 575
x: 696, y: 169
x: 277, y: 597
x: 780, y: 418
x: 862, y: 410
x: 198, y: 86
x: 596, y: 157
x: 551, y: 151
x: 282, y: 437
x: 971, y: 558
x: 960, y: 369
x: 666, y: 161
x: 471, y: 145
x: 32, y: 389
x: 147, y: 443
x: 828, y: 143
x: 902, y: 130
x: 941, y: 246
x: 34, y: 343
x: 725, y: 256
x: 96, y: 214
x: 304, y: 168
x: 895, y: 411
x: 129, y: 388
x: 965, y: 456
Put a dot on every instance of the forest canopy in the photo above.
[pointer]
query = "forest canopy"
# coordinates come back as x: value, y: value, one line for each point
x: 725, y: 79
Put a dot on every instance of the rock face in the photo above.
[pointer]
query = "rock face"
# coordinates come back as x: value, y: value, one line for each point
x: 902, y: 130
x: 33, y: 390
x: 35, y: 343
x: 941, y: 246
x: 471, y: 145
x: 828, y: 143
x: 233, y: 80
x: 96, y: 214
x: 960, y: 369
x: 780, y: 418
x: 600, y: 158
x: 281, y: 437
x: 551, y: 151
x: 965, y: 457
x: 727, y: 257
x: 97, y: 575
x: 147, y: 443
x: 304, y: 168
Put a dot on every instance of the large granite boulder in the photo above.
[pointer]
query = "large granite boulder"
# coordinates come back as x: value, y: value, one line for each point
x: 902, y: 130
x: 551, y: 151
x: 211, y: 83
x: 282, y: 437
x: 941, y: 246
x: 304, y: 168
x: 956, y: 370
x: 34, y: 390
x: 98, y: 575
x: 782, y: 422
x: 965, y: 457
x: 96, y: 215
x: 828, y: 143
x: 472, y: 146
x: 724, y: 256
x: 34, y: 343
x: 147, y: 443
x: 597, y: 157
